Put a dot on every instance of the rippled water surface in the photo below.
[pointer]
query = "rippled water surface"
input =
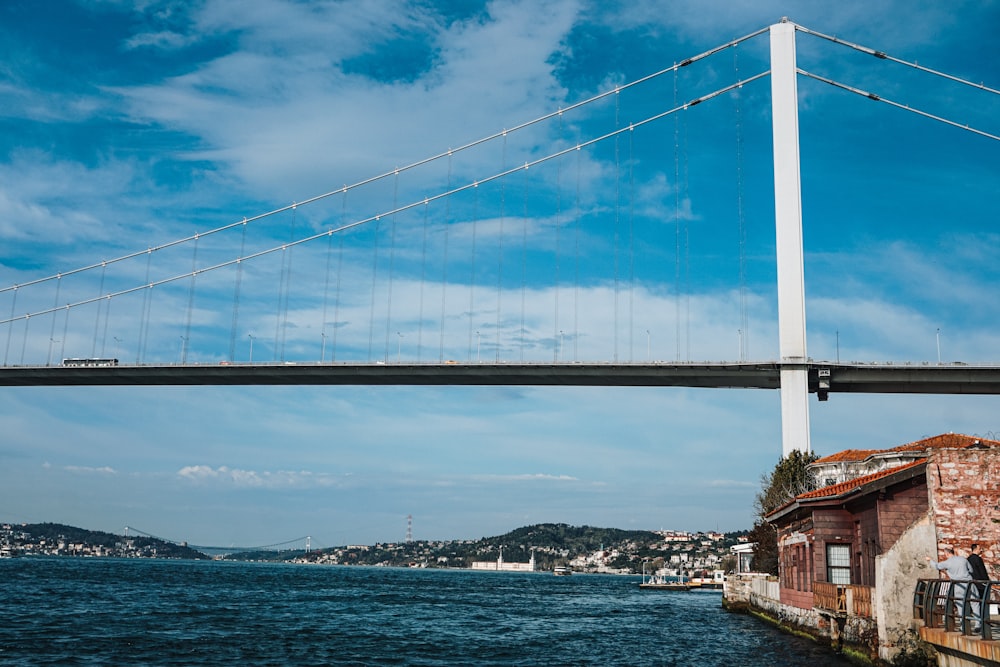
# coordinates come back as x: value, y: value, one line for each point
x: 143, y: 612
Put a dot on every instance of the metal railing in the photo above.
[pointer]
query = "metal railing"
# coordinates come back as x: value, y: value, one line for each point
x: 969, y: 607
x: 847, y: 599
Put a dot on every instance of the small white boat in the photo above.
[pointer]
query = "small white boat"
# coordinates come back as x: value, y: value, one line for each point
x: 562, y: 571
x: 658, y: 582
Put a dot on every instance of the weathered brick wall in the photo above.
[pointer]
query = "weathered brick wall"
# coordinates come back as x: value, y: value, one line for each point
x: 899, y: 510
x: 964, y: 490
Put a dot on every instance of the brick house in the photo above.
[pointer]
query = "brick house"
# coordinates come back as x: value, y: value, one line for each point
x: 850, y: 552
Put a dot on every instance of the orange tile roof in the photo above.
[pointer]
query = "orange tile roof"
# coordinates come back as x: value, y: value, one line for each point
x: 945, y: 440
x: 848, y: 455
x: 841, y: 488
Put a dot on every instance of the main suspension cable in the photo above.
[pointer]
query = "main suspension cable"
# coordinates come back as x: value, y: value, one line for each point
x: 394, y: 172
x: 881, y: 55
x: 905, y: 107
x: 405, y: 207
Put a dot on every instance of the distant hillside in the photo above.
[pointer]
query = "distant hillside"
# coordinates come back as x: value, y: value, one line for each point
x: 589, y: 548
x: 551, y: 544
x: 60, y: 539
x: 576, y: 539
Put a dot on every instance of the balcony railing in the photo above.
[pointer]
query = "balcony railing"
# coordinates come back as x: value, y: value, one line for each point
x: 845, y: 599
x: 959, y: 606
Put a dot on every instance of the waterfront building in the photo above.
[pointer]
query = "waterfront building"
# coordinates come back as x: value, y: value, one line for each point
x: 501, y: 565
x: 851, y: 553
x: 743, y: 552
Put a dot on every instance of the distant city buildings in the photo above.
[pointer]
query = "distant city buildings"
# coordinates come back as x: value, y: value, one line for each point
x: 15, y: 541
x: 667, y: 552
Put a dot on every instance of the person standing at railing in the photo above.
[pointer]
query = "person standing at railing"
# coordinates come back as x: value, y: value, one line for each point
x: 979, y: 573
x: 960, y: 573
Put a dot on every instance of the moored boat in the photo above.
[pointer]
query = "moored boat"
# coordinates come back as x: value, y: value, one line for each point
x: 660, y: 583
x: 713, y: 580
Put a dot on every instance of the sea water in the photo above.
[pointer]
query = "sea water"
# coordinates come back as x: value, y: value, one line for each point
x: 66, y: 611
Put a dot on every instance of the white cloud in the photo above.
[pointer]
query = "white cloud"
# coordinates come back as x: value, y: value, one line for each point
x: 164, y: 39
x: 235, y: 477
x: 87, y: 470
x: 283, y: 116
x: 536, y: 477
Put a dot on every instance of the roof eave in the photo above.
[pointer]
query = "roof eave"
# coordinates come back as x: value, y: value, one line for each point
x: 874, y: 486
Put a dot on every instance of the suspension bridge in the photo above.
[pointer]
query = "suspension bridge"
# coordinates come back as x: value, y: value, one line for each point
x: 303, y: 543
x: 530, y: 256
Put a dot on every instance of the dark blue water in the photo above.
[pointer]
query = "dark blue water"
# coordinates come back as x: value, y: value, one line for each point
x: 145, y: 612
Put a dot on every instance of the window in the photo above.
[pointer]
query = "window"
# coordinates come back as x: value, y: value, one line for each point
x: 838, y: 563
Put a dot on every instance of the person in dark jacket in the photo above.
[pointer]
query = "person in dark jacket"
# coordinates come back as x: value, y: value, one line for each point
x: 979, y: 572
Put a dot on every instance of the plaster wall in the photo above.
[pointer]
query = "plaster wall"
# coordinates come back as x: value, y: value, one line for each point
x: 896, y: 575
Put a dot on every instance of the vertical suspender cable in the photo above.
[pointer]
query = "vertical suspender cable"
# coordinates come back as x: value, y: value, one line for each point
x: 444, y: 262
x: 423, y: 281
x: 631, y: 246
x: 472, y: 274
x: 140, y: 352
x: 556, y: 338
x: 744, y: 334
x: 326, y: 298
x: 503, y: 206
x: 618, y: 187
x: 576, y: 263
x: 392, y: 262
x: 107, y: 319
x: 677, y: 227
x: 10, y: 324
x: 524, y: 262
x: 340, y: 266
x: 236, y: 294
x: 97, y: 316
x: 281, y: 304
x: 190, y: 306
x: 62, y: 350
x: 687, y: 255
x: 286, y: 279
x: 371, y: 312
x: 52, y: 331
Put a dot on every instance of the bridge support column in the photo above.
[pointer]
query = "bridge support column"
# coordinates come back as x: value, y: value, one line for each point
x: 788, y: 230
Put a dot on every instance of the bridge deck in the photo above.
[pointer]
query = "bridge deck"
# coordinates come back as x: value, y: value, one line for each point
x: 865, y: 378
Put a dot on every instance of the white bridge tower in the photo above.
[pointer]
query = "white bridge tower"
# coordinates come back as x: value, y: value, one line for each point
x: 788, y: 230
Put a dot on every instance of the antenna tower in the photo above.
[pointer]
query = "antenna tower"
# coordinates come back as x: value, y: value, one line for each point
x: 409, y: 527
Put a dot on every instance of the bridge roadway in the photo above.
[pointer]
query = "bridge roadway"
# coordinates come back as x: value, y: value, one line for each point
x: 824, y: 377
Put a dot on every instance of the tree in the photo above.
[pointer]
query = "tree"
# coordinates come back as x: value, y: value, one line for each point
x: 789, y: 478
x: 765, y: 548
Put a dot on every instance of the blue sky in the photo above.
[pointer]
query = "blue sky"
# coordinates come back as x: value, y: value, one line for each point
x: 127, y: 125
